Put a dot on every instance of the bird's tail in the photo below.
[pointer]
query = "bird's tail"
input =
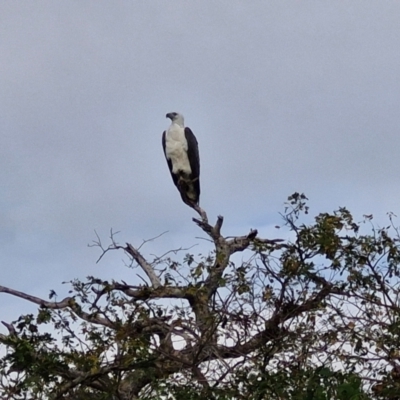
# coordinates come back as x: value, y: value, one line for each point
x: 188, y: 192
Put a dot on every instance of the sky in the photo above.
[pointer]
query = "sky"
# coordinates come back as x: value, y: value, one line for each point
x: 283, y: 97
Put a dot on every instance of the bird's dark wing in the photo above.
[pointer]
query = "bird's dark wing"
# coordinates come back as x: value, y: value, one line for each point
x: 193, y: 153
x: 174, y: 177
x: 194, y: 158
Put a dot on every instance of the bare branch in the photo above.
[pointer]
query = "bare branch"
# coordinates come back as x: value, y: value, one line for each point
x: 218, y: 225
x: 201, y: 212
x: 68, y: 302
x: 241, y: 243
x: 147, y: 268
x: 10, y: 328
x: 146, y: 292
x: 48, y: 304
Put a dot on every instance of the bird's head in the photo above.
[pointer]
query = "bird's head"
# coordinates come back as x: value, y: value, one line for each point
x: 175, y: 118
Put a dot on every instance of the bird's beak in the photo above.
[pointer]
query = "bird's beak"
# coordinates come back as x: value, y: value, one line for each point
x: 170, y: 116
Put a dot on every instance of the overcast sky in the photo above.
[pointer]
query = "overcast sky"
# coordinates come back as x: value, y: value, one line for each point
x: 283, y: 96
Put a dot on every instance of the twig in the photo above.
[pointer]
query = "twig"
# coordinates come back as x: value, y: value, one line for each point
x: 151, y: 239
x: 175, y: 251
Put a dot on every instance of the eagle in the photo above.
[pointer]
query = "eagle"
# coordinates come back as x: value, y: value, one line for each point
x: 182, y: 154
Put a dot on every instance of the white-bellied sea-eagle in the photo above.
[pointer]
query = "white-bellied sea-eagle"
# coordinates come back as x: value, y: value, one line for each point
x: 182, y: 153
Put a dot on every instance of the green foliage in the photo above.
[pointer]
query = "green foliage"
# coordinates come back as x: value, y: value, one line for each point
x: 320, y: 383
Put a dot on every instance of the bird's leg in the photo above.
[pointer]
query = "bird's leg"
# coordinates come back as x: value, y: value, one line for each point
x: 183, y: 189
x: 201, y: 212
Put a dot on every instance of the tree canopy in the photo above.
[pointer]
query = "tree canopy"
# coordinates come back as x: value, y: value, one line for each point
x: 315, y: 316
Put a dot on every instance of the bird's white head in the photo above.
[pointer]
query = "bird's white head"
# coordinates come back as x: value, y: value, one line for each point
x: 176, y: 118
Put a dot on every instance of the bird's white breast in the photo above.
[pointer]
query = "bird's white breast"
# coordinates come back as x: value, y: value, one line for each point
x: 176, y: 149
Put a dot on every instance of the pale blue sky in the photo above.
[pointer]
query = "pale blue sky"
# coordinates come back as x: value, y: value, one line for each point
x: 282, y: 96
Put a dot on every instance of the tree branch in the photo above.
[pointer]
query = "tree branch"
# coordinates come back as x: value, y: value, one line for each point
x: 147, y: 268
x: 68, y: 302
